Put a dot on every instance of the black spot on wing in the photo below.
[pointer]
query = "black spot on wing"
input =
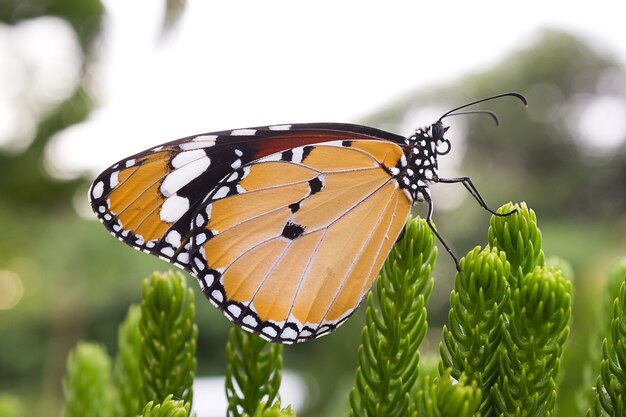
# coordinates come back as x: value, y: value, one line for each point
x: 315, y: 185
x: 292, y: 230
x: 287, y: 155
x: 294, y: 207
x: 306, y: 151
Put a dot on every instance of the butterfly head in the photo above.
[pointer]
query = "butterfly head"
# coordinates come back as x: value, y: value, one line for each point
x: 442, y: 145
x: 421, y: 154
x: 424, y: 147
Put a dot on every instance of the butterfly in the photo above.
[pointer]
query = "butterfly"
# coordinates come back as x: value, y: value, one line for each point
x: 285, y: 226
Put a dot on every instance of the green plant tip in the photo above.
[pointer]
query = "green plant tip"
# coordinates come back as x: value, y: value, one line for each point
x: 518, y: 236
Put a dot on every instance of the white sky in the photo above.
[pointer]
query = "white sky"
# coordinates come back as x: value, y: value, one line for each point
x: 247, y: 63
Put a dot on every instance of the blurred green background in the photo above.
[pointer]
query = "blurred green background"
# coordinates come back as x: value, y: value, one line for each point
x: 63, y: 279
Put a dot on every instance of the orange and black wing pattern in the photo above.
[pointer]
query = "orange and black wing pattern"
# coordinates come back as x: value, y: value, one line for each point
x: 285, y: 227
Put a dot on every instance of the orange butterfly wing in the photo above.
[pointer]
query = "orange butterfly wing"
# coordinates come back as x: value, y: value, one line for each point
x: 285, y: 227
x: 293, y: 252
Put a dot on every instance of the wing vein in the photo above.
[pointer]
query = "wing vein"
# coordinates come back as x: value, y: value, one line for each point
x: 262, y: 282
x: 303, y: 275
x: 359, y: 255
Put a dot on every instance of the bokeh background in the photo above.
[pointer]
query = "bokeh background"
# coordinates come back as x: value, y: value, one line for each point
x: 84, y: 83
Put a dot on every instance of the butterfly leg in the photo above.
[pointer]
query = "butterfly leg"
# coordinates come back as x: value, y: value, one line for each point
x: 469, y: 185
x: 429, y: 221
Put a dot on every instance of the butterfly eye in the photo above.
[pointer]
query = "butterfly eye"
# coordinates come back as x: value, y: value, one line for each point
x: 443, y: 147
x: 437, y: 130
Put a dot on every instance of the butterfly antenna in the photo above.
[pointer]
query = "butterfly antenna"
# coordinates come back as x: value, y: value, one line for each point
x: 493, y: 114
x: 510, y: 94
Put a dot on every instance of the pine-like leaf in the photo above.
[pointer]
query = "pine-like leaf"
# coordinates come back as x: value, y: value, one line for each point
x: 168, y: 408
x: 395, y: 327
x: 534, y: 338
x: 447, y: 397
x: 87, y: 385
x: 610, y: 398
x: 127, y: 374
x: 253, y: 373
x: 519, y: 237
x: 273, y: 411
x: 476, y: 322
x: 168, y: 338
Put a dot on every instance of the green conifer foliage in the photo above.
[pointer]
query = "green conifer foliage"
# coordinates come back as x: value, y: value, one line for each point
x: 395, y: 327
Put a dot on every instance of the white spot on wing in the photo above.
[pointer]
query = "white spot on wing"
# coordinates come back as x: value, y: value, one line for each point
x: 333, y: 143
x: 288, y: 333
x: 280, y: 127
x: 234, y: 309
x: 130, y: 163
x: 180, y: 177
x: 270, y: 331
x: 217, y: 295
x: 173, y: 208
x: 205, y: 138
x: 200, y: 239
x: 243, y: 132
x: 199, y: 264
x: 199, y: 143
x: 210, y: 279
x: 250, y: 321
x: 114, y: 179
x: 232, y: 177
x: 184, y: 158
x: 297, y: 155
x: 222, y: 192
x: 97, y: 189
x: 173, y: 238
x: 167, y: 251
